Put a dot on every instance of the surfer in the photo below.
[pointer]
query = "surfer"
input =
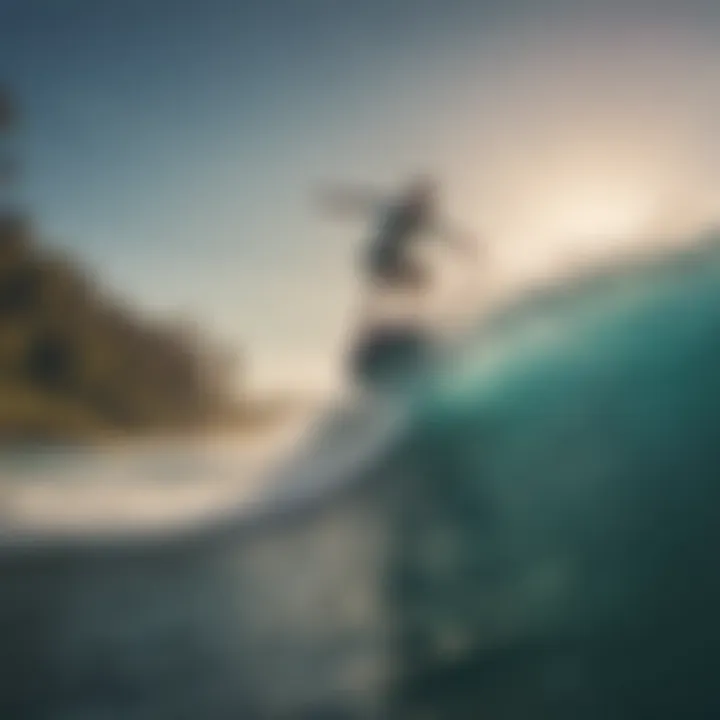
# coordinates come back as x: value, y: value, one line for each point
x: 393, y: 270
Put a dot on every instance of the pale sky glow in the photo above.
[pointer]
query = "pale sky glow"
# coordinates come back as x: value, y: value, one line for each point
x: 174, y: 146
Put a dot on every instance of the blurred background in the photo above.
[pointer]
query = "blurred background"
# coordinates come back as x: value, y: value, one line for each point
x: 176, y: 311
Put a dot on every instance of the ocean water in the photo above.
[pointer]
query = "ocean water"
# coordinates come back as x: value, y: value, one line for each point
x: 529, y: 529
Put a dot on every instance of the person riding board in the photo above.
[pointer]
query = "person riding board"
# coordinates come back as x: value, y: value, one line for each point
x: 391, y: 267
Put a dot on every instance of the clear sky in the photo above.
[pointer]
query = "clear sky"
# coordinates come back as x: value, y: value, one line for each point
x: 174, y: 145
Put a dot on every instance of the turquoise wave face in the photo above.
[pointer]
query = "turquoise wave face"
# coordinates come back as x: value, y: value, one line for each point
x: 561, y: 515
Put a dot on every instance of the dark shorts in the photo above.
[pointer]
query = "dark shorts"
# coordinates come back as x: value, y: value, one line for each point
x: 398, y: 271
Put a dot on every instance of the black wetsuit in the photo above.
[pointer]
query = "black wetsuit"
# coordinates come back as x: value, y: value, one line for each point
x: 389, y: 261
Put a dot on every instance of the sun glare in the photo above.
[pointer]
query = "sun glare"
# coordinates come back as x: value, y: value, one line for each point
x: 610, y: 212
